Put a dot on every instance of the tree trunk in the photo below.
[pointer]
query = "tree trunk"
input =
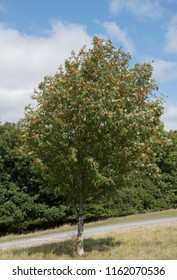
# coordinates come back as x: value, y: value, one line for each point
x: 80, y: 229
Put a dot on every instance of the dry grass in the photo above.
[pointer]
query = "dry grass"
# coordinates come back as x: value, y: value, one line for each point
x: 157, y: 242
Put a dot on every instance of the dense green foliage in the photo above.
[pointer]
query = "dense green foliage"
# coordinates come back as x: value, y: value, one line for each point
x: 26, y: 204
x: 96, y: 120
x: 94, y: 142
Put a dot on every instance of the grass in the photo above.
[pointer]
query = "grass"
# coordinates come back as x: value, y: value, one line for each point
x: 156, y: 242
x: 138, y: 244
x: 131, y: 218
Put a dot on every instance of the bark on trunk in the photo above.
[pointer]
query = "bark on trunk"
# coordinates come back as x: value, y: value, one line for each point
x: 80, y: 223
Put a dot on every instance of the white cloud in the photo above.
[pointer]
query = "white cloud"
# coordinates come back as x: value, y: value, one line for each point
x: 120, y: 35
x: 26, y: 59
x: 12, y: 103
x: 170, y: 117
x: 143, y: 9
x: 171, y: 36
x: 164, y: 71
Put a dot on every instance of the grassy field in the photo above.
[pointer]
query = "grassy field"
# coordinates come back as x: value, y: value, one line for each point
x: 148, y: 243
x: 156, y: 242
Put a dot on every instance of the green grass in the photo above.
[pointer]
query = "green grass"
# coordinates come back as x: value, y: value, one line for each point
x: 132, y: 218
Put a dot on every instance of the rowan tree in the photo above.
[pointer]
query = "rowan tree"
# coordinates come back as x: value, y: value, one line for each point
x: 96, y: 119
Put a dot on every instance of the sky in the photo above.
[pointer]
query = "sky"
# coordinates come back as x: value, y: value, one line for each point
x: 36, y: 36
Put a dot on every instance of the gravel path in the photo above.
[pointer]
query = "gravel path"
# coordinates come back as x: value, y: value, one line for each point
x: 54, y: 237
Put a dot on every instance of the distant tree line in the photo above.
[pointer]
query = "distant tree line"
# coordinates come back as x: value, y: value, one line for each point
x: 27, y: 203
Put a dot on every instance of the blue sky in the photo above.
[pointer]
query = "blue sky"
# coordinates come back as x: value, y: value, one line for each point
x: 37, y: 35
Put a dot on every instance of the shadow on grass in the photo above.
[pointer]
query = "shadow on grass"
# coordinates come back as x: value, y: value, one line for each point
x: 68, y: 247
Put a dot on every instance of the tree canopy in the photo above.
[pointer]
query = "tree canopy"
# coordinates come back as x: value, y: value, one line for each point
x: 96, y: 120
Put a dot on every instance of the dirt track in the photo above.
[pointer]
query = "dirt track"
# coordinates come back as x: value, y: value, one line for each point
x: 54, y: 237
